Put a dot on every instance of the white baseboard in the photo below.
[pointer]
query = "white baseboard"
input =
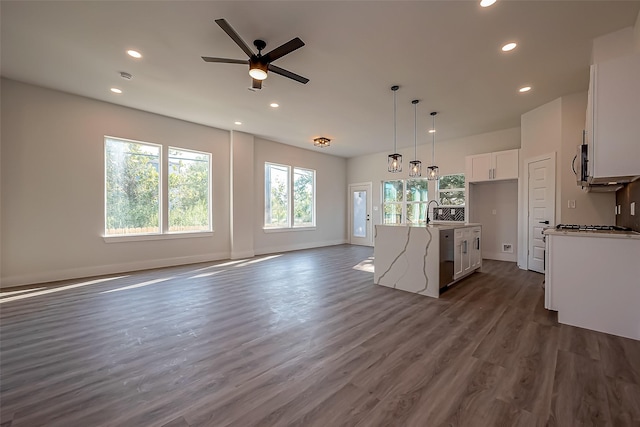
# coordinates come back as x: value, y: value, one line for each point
x: 299, y: 246
x: 242, y: 254
x: 500, y: 256
x: 100, y: 270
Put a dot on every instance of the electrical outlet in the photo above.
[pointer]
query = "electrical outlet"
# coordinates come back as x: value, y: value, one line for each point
x: 507, y: 247
x: 571, y: 204
x: 439, y: 211
x: 633, y: 208
x: 494, y: 212
x: 453, y: 212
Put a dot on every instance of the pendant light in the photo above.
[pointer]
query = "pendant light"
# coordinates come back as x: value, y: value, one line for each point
x: 416, y: 165
x: 395, y: 160
x: 432, y: 171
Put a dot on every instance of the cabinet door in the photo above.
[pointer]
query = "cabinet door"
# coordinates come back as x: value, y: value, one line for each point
x: 505, y: 164
x: 616, y: 107
x: 476, y: 252
x: 478, y: 167
x: 457, y: 255
x: 466, y: 251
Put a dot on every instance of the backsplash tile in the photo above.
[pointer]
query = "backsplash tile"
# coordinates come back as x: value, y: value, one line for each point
x: 446, y: 215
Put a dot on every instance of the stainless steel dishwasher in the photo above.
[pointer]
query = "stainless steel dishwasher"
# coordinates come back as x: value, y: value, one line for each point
x: 447, y: 250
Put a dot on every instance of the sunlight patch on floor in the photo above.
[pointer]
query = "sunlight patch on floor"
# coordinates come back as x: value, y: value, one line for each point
x: 138, y: 285
x: 365, y: 265
x: 206, y: 274
x: 258, y: 260
x: 59, y: 289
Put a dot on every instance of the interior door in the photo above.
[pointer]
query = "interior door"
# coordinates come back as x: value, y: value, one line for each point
x: 360, y: 228
x: 541, y: 210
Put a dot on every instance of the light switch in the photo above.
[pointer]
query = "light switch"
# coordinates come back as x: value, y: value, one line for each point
x: 494, y: 212
x: 571, y: 204
x: 453, y: 211
x: 633, y: 208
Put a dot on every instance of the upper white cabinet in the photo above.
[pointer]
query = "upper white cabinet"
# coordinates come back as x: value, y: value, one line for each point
x: 492, y: 166
x: 613, y: 119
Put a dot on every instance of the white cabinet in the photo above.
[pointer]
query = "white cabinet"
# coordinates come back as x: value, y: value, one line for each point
x: 492, y: 166
x: 467, y: 257
x: 613, y: 119
x: 476, y: 253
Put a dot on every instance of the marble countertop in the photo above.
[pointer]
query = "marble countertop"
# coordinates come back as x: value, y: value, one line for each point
x: 440, y: 225
x: 600, y: 234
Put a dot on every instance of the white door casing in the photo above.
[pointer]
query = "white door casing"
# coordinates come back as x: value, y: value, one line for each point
x: 360, y: 228
x: 540, y: 209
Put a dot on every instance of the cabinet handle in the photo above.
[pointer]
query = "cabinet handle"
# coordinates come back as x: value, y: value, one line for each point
x: 464, y: 251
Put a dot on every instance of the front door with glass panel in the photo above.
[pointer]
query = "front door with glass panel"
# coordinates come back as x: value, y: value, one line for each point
x: 360, y: 229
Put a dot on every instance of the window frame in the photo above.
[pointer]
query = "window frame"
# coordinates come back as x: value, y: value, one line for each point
x: 463, y: 190
x: 209, y: 190
x: 404, y: 203
x: 163, y: 196
x: 291, y: 179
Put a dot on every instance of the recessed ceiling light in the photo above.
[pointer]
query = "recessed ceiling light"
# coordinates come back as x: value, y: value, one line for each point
x: 134, y: 54
x: 509, y: 46
x: 524, y: 89
x: 487, y: 3
x: 116, y: 90
x: 274, y: 105
x: 237, y: 123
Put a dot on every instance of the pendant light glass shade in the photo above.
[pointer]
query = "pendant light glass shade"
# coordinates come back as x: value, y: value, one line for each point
x: 394, y: 161
x: 432, y: 171
x: 416, y: 165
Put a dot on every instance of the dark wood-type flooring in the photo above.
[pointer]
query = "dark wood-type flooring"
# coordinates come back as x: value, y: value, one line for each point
x: 304, y: 339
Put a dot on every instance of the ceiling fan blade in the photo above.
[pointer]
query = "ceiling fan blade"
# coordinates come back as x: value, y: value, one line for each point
x: 256, y: 84
x: 225, y: 60
x: 286, y: 48
x: 287, y: 73
x: 234, y: 36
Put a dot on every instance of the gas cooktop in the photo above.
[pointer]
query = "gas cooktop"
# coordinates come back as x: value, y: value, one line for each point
x: 575, y: 227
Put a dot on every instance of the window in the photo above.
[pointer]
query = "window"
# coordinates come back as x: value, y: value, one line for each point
x: 405, y: 201
x: 189, y: 190
x: 134, y: 200
x: 451, y: 196
x: 451, y: 190
x: 289, y: 197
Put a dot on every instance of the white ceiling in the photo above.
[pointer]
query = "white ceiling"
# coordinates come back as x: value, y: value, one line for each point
x: 444, y: 53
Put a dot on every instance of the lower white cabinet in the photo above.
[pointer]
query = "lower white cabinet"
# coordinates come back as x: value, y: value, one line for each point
x: 467, y: 255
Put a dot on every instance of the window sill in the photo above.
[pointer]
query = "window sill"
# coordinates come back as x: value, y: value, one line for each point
x: 286, y: 229
x: 146, y: 237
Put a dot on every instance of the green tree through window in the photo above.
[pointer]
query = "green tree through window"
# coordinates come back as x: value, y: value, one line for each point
x: 133, y: 193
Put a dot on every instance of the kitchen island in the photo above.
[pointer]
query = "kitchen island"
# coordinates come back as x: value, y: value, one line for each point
x: 425, y: 260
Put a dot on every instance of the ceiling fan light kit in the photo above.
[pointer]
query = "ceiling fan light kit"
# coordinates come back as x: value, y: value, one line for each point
x: 259, y: 64
x: 394, y: 161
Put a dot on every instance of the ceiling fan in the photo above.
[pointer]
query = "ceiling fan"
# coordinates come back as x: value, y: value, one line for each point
x: 259, y: 64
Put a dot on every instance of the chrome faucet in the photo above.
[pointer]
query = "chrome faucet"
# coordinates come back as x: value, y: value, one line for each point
x: 429, y: 204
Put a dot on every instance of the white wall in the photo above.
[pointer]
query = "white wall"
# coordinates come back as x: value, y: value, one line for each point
x: 53, y: 186
x: 52, y: 189
x: 556, y: 127
x: 449, y: 156
x: 331, y: 198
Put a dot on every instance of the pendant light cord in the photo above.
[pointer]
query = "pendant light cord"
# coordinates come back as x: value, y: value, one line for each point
x: 395, y: 149
x: 415, y: 129
x: 433, y: 138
